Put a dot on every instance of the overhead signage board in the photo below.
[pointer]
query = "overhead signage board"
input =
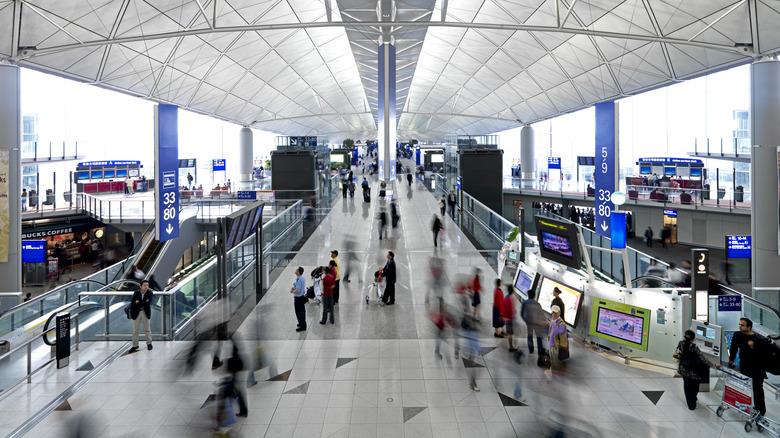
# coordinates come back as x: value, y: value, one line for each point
x: 218, y: 164
x: 606, y: 155
x: 108, y: 163
x: 33, y: 251
x: 553, y: 163
x: 670, y: 213
x: 729, y: 303
x: 738, y: 247
x: 166, y: 167
x: 668, y: 160
x: 246, y: 195
x: 187, y: 162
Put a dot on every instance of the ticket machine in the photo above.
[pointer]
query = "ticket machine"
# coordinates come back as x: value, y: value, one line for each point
x: 708, y: 339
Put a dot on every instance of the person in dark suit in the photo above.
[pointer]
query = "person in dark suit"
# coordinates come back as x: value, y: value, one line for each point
x: 389, y: 273
x: 142, y: 300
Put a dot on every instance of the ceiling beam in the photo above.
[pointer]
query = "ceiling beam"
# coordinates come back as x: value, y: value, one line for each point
x: 319, y: 25
x: 328, y: 11
x: 444, y: 4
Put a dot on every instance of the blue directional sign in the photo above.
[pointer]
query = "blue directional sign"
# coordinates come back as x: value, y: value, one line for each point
x: 605, y: 166
x: 246, y: 195
x: 618, y: 226
x: 33, y: 251
x: 108, y: 163
x: 729, y: 303
x: 458, y: 183
x: 218, y: 164
x: 670, y: 213
x: 166, y: 166
x: 738, y: 247
x: 553, y: 163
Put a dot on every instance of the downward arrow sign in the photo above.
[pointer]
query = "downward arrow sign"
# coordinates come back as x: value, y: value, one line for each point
x: 169, y: 229
x: 603, y: 226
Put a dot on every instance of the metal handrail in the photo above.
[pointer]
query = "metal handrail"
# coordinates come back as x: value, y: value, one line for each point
x: 661, y: 280
x: 42, y: 297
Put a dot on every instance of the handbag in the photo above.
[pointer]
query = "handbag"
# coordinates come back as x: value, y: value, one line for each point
x: 310, y: 292
x: 693, y: 363
x: 563, y: 345
x: 127, y: 312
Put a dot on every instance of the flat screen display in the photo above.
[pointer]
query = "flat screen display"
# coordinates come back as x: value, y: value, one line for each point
x: 133, y: 172
x: 558, y: 244
x: 437, y: 158
x: 121, y: 173
x: 702, y: 331
x: 33, y: 251
x: 246, y: 232
x: 83, y: 175
x: 525, y: 280
x: 511, y: 255
x: 256, y: 219
x: 669, y: 171
x: 645, y: 170
x: 696, y: 172
x: 96, y: 174
x: 232, y: 234
x: 108, y: 174
x: 571, y: 299
x: 621, y: 323
x: 241, y: 222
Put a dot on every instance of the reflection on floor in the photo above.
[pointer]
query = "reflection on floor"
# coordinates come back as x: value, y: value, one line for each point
x: 374, y: 372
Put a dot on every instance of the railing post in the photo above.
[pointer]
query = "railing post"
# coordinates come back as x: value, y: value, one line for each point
x: 29, y: 362
x: 77, y: 331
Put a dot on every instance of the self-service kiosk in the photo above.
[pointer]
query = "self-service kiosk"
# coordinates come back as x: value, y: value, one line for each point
x: 708, y: 339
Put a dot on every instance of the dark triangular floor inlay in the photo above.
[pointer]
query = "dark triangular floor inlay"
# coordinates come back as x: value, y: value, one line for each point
x: 653, y: 396
x: 302, y: 389
x: 86, y: 367
x: 485, y: 350
x: 409, y: 413
x: 509, y: 401
x: 64, y: 406
x: 209, y: 399
x: 285, y: 376
x: 344, y: 360
x: 471, y: 364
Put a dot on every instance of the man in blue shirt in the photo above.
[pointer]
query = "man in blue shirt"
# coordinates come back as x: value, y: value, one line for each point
x: 299, y: 292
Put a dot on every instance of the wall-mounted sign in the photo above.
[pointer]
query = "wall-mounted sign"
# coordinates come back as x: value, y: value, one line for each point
x: 670, y: 160
x: 738, y: 247
x: 187, y: 162
x: 108, y: 163
x: 606, y: 115
x: 33, y: 251
x: 47, y: 233
x: 729, y: 303
x: 670, y: 213
x: 553, y: 163
x: 166, y: 160
x: 246, y: 195
x: 218, y: 165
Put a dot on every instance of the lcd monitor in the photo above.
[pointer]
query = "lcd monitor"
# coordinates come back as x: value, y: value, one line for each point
x: 620, y: 323
x: 572, y: 298
x: 133, y: 172
x: 121, y: 173
x: 247, y: 229
x: 525, y: 280
x: 437, y: 158
x: 670, y: 171
x: 645, y: 170
x: 233, y: 226
x: 96, y: 174
x: 695, y: 172
x: 108, y: 174
x: 511, y: 255
x: 558, y: 241
x: 239, y: 224
x: 83, y: 175
x: 256, y: 220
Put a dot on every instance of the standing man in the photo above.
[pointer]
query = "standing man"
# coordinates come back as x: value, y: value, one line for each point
x: 409, y: 177
x: 335, y: 256
x: 389, y: 273
x: 129, y: 186
x: 557, y: 301
x: 649, y: 236
x: 751, y: 356
x: 299, y: 292
x: 24, y: 199
x: 189, y: 180
x: 327, y: 292
x: 142, y: 300
x: 451, y: 200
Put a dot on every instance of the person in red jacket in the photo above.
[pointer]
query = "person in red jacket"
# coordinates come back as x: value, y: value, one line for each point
x: 476, y: 290
x: 498, y: 299
x: 508, y: 312
x: 327, y: 292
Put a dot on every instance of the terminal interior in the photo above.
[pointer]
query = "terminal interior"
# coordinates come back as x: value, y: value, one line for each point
x: 528, y: 115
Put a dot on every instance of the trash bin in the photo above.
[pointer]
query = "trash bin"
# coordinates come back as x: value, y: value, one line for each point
x: 739, y: 194
x: 68, y: 196
x: 705, y: 191
x: 721, y: 193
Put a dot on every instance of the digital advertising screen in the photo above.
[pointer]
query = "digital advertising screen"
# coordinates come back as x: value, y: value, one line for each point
x: 645, y: 170
x: 558, y: 241
x: 437, y: 158
x: 525, y: 280
x: 696, y: 172
x: 670, y: 171
x: 621, y: 323
x: 738, y: 247
x: 83, y: 175
x: 121, y: 173
x: 33, y: 251
x: 108, y: 174
x: 572, y: 298
x: 96, y: 174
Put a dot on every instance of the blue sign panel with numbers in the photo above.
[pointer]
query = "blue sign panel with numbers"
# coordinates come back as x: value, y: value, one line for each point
x: 33, y: 251
x: 729, y: 303
x: 605, y: 166
x: 738, y: 247
x: 166, y: 165
x: 553, y: 163
x: 218, y: 164
x: 618, y: 226
x: 246, y: 195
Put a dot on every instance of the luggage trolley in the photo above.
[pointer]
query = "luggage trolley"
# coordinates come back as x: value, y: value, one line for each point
x: 375, y: 284
x: 738, y: 395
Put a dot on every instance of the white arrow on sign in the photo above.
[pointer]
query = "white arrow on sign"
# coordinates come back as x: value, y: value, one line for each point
x: 604, y: 226
x: 169, y: 229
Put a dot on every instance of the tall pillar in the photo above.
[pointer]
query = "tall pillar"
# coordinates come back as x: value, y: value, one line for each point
x: 386, y: 112
x: 765, y: 132
x: 11, y: 171
x: 527, y: 156
x: 245, y: 154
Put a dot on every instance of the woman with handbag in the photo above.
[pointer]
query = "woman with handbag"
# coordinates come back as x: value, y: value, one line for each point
x: 693, y: 367
x: 558, y: 340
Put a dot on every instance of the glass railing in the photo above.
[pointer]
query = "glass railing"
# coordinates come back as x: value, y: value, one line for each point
x: 117, y: 209
x: 105, y: 319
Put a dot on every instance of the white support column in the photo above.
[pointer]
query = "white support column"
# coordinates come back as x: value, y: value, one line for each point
x: 245, y: 154
x: 11, y: 209
x: 386, y: 112
x: 527, y: 156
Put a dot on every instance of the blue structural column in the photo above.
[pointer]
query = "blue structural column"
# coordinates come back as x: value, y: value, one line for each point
x: 386, y: 112
x: 245, y: 154
x: 765, y: 163
x: 606, y: 164
x: 11, y: 172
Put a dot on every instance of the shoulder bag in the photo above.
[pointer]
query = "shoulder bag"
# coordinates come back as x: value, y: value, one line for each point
x: 563, y: 343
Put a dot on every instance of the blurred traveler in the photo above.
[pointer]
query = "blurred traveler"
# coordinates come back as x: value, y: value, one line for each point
x: 442, y: 205
x: 673, y: 275
x: 24, y: 199
x: 508, y: 312
x: 437, y: 228
x: 535, y: 320
x: 334, y: 255
x: 498, y: 298
x: 476, y: 290
x: 649, y: 236
x: 328, y: 284
x: 382, y: 222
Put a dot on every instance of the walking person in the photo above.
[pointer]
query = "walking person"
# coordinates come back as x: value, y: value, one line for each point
x: 442, y: 205
x: 24, y: 199
x: 382, y: 222
x: 344, y: 186
x: 649, y: 236
x: 389, y: 273
x: 476, y: 290
x: 141, y: 312
x: 334, y: 255
x: 409, y: 177
x: 437, y: 228
x: 327, y: 292
x: 189, y: 180
x: 451, y: 201
x: 666, y: 234
x: 508, y: 312
x: 299, y: 297
x: 498, y: 299
x: 129, y: 186
x: 693, y: 367
x: 749, y: 346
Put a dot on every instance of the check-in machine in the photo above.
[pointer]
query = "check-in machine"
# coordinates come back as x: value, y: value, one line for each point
x: 708, y: 338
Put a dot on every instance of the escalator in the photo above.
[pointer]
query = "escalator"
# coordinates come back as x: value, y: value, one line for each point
x: 148, y: 257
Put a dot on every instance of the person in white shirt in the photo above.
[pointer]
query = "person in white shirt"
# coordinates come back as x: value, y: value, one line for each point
x: 673, y: 275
